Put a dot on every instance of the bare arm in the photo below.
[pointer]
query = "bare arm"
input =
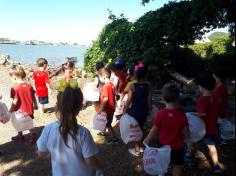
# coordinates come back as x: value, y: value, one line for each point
x: 42, y: 154
x: 94, y: 163
x: 152, y: 134
x: 35, y: 103
x: 49, y: 89
x: 185, y: 133
x: 198, y: 114
x: 130, y: 94
x: 104, y: 104
x: 13, y: 104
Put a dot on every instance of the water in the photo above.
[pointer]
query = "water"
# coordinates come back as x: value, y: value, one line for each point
x: 56, y: 55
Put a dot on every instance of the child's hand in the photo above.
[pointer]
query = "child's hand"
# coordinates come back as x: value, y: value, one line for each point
x: 49, y: 91
x: 35, y: 107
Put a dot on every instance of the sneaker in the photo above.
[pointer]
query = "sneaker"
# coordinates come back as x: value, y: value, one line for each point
x: 112, y: 141
x: 134, y: 152
x: 216, y: 169
x: 18, y: 138
x: 101, y: 134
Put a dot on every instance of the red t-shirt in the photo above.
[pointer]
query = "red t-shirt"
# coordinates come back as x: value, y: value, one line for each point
x: 210, y: 106
x: 13, y: 92
x: 170, y: 123
x: 221, y: 93
x: 24, y: 94
x: 122, y: 82
x: 40, y: 80
x: 108, y: 90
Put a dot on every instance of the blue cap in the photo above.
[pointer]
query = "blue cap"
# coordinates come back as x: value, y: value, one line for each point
x: 120, y: 61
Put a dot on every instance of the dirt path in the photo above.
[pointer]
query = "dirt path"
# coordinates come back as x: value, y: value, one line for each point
x: 21, y: 160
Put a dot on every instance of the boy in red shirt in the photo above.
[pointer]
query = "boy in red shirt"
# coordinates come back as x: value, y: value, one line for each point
x: 41, y: 81
x: 24, y: 98
x: 208, y: 110
x: 107, y: 100
x: 171, y: 127
x: 220, y: 91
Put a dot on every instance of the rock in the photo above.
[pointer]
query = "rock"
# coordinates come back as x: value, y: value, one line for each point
x: 4, y: 58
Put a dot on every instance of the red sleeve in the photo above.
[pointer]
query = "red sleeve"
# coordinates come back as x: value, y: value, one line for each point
x: 201, y: 107
x: 157, y: 120
x: 32, y: 91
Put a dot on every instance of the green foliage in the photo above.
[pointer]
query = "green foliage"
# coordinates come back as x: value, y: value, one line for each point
x: 157, y: 37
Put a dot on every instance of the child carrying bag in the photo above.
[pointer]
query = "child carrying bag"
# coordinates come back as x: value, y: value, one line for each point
x: 129, y: 129
x: 21, y: 121
x: 197, y: 127
x: 100, y: 121
x: 156, y: 160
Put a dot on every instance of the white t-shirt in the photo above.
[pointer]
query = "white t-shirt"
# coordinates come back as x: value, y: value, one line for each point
x: 67, y: 161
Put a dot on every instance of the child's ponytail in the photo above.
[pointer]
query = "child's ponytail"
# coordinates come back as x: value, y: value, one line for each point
x: 69, y: 104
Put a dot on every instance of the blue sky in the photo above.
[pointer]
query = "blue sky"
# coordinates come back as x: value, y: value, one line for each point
x: 77, y: 21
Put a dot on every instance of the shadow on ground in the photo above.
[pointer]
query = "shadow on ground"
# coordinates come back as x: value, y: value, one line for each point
x: 20, y: 159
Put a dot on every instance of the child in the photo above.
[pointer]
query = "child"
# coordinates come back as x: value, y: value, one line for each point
x: 122, y: 81
x: 220, y: 90
x: 41, y: 82
x: 68, y: 78
x: 24, y: 98
x: 207, y: 108
x: 70, y: 145
x: 107, y: 102
x: 171, y: 127
x: 140, y: 99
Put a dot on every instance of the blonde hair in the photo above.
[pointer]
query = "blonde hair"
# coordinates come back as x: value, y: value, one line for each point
x: 17, y: 71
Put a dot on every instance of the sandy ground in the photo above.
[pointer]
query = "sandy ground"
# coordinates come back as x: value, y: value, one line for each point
x: 21, y: 160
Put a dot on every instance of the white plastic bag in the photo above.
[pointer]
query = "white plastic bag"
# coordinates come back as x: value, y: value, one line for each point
x: 21, y: 121
x: 156, y: 160
x: 4, y: 113
x: 153, y: 114
x: 227, y: 129
x: 120, y: 105
x: 90, y: 93
x: 197, y: 127
x: 129, y: 129
x: 100, y: 121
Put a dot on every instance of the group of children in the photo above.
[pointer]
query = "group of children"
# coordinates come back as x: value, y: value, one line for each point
x: 170, y: 126
x: 65, y: 140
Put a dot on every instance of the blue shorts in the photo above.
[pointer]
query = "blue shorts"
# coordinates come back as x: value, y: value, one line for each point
x: 43, y: 100
x: 210, y: 139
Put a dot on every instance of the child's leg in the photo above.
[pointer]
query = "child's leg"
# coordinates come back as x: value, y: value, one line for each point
x: 41, y: 108
x: 33, y: 136
x: 177, y: 170
x: 213, y: 154
x: 177, y: 159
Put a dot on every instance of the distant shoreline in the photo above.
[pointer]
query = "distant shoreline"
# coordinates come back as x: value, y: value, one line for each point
x: 47, y: 44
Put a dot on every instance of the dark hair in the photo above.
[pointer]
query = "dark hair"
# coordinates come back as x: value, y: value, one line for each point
x: 141, y: 73
x: 105, y: 72
x: 69, y: 103
x: 41, y: 62
x: 206, y: 80
x: 18, y: 71
x: 221, y: 73
x: 99, y: 65
x: 170, y: 93
x: 70, y: 65
x: 112, y: 67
